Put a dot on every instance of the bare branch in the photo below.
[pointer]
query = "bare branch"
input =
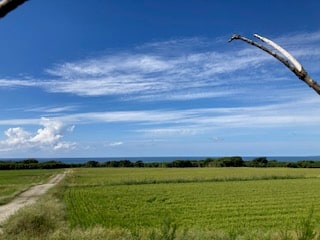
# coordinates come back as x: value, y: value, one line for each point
x: 7, y: 6
x: 290, y: 62
x: 295, y: 63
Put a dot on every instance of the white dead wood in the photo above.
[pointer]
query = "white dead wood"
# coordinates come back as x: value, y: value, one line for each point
x: 281, y: 50
x: 7, y: 6
x: 287, y: 59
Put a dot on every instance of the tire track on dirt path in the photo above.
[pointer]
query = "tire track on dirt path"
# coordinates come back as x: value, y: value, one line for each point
x: 28, y: 197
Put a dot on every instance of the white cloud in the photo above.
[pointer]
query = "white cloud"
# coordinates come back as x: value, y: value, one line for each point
x: 50, y: 133
x: 19, y: 122
x: 148, y: 74
x: 173, y: 131
x: 300, y: 112
x: 52, y: 109
x: 47, y: 137
x: 115, y: 144
x: 253, y: 90
x: 18, y: 83
x: 16, y: 137
x: 177, y: 70
x: 64, y: 146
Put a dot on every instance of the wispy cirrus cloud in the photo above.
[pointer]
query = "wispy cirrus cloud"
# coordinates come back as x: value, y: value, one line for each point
x: 167, y: 124
x: 302, y: 112
x: 52, y: 109
x: 148, y: 74
x: 176, y: 70
x: 182, y: 69
x: 12, y: 83
x: 115, y: 144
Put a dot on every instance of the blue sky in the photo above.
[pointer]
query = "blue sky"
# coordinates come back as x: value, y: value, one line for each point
x: 122, y: 78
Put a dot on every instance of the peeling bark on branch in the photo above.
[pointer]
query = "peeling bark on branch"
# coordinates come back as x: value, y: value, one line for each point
x: 289, y: 61
x: 7, y: 6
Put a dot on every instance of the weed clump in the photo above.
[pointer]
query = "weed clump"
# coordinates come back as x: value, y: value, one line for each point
x: 37, y: 221
x: 306, y: 228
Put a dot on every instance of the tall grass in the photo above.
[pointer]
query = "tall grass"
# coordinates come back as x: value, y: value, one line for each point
x: 39, y: 226
x: 306, y: 228
x: 46, y: 221
x: 37, y: 221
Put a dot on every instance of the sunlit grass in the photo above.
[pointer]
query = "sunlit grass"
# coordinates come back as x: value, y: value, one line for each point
x: 109, y: 197
x: 114, y: 176
x: 224, y: 204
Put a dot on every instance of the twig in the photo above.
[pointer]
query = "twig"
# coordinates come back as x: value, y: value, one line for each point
x: 7, y: 6
x: 290, y: 62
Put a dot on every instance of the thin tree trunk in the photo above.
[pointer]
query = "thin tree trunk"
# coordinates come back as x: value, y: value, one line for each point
x: 7, y: 6
x: 290, y: 62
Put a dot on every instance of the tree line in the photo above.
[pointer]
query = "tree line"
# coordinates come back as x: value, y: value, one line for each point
x: 234, y: 161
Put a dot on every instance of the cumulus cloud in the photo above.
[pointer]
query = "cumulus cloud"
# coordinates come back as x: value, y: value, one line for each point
x: 49, y: 136
x: 16, y: 137
x: 50, y: 133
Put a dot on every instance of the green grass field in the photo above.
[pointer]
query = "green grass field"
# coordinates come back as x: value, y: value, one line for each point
x: 12, y: 182
x: 227, y: 199
x: 170, y: 204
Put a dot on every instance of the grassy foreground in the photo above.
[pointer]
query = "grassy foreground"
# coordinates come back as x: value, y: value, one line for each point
x: 209, y: 203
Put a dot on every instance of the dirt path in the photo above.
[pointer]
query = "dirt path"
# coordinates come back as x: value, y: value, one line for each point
x: 28, y: 197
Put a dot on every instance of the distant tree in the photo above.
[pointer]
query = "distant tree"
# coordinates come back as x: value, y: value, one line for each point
x: 112, y: 164
x: 30, y: 161
x: 234, y: 161
x: 209, y: 162
x: 125, y: 163
x: 275, y: 163
x: 181, y: 163
x: 153, y: 164
x: 308, y: 164
x: 6, y: 165
x: 291, y: 165
x: 230, y: 162
x: 139, y: 164
x: 52, y: 165
x: 92, y: 164
x: 258, y: 162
